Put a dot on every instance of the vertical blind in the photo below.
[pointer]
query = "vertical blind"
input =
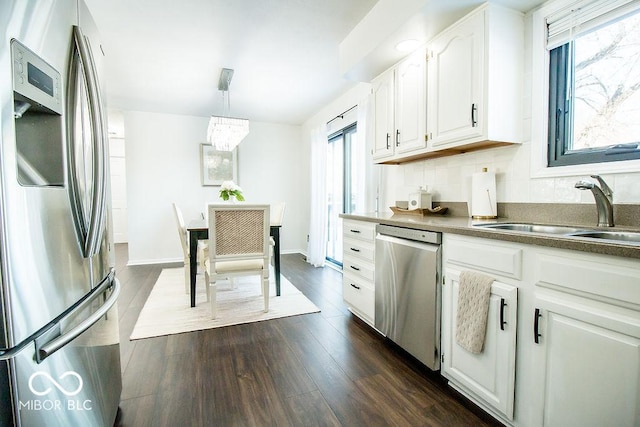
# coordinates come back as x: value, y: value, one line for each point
x: 583, y: 16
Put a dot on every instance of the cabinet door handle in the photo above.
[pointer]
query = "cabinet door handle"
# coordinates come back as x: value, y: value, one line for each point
x: 388, y: 138
x: 474, y: 110
x: 355, y: 268
x: 536, y: 325
x: 355, y: 249
x: 397, y: 137
x: 503, y: 322
x: 354, y: 286
x: 355, y: 231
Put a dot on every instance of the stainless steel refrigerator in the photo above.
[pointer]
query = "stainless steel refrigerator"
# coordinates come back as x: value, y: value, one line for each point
x: 59, y: 339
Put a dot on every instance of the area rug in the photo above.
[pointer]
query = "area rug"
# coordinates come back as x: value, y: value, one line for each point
x: 167, y: 310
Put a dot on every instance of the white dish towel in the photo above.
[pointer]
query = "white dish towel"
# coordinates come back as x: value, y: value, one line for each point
x: 473, y: 309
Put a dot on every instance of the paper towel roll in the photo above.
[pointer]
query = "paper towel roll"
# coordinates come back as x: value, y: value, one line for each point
x: 483, y: 195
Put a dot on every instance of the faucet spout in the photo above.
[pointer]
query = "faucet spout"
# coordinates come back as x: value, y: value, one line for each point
x: 603, y: 197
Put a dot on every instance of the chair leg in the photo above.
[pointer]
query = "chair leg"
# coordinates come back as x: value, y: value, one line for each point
x: 187, y: 277
x: 212, y: 299
x: 265, y: 292
x: 206, y: 285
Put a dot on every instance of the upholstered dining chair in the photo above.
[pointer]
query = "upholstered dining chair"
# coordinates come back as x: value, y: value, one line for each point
x: 184, y: 241
x: 238, y: 246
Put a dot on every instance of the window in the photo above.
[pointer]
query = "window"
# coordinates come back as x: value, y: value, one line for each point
x: 594, y: 83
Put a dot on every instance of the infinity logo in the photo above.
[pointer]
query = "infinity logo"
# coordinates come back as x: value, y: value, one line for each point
x: 55, y: 383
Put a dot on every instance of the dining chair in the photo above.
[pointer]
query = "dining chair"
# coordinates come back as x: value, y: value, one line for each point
x: 184, y: 241
x: 238, y: 246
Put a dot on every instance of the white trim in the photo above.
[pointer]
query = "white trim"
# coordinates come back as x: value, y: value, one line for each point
x: 540, y: 103
x: 155, y: 261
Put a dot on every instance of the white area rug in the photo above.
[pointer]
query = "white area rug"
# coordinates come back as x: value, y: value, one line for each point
x: 168, y: 311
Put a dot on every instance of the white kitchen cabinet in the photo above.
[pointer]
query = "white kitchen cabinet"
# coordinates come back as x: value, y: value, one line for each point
x: 383, y: 111
x: 475, y: 70
x: 411, y: 103
x: 400, y: 108
x: 586, y: 334
x: 488, y: 378
x: 489, y: 375
x: 358, y: 289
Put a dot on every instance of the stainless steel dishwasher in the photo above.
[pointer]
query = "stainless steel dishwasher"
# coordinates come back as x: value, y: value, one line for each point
x: 407, y: 297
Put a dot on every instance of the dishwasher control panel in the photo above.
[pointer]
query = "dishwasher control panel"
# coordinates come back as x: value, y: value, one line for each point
x: 410, y: 234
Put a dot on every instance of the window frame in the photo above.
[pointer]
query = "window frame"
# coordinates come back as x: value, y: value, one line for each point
x: 539, y: 98
x: 560, y: 118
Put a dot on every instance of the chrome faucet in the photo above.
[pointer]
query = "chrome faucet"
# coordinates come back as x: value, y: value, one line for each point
x: 604, y: 199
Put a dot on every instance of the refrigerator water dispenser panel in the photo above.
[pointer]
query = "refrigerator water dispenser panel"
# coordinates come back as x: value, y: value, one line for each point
x: 38, y: 119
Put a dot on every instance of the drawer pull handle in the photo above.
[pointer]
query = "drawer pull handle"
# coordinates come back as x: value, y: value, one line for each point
x: 536, y: 335
x: 355, y: 268
x: 355, y: 249
x: 354, y: 286
x: 355, y: 231
x: 503, y: 322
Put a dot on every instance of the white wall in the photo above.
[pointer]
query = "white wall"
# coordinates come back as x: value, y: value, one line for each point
x: 163, y: 166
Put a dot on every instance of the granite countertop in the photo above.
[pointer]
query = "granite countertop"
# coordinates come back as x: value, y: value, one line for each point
x: 465, y: 226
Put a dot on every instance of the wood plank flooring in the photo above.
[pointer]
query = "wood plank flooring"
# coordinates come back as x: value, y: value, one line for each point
x: 322, y: 369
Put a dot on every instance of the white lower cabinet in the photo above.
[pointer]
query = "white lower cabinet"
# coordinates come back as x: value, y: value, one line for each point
x: 489, y: 375
x: 587, y: 345
x: 358, y: 289
x: 577, y: 358
x: 488, y: 378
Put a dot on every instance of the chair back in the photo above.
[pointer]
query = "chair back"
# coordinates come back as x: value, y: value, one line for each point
x: 277, y: 213
x: 238, y: 232
x: 182, y: 229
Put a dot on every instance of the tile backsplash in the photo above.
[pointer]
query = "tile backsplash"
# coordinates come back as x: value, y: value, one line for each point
x: 449, y: 178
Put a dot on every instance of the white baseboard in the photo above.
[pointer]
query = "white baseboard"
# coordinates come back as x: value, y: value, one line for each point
x: 154, y: 261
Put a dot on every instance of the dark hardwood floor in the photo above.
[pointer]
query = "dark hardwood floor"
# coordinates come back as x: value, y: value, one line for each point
x: 324, y: 369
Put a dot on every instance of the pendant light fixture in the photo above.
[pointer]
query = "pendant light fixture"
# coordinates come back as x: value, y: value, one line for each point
x: 225, y: 132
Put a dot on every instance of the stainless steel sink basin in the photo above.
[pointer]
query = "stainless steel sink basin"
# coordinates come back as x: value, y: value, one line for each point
x: 532, y: 228
x: 625, y: 237
x: 628, y: 237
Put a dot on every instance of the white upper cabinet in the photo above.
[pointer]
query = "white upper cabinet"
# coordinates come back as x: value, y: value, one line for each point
x: 383, y: 110
x: 463, y: 93
x: 411, y: 103
x: 455, y: 84
x: 400, y: 108
x: 475, y: 80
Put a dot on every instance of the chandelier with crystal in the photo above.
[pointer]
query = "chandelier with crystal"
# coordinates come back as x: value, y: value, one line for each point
x: 225, y: 132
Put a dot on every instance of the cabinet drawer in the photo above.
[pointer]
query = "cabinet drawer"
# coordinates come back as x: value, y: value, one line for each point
x: 359, y: 230
x: 359, y: 295
x: 483, y: 255
x: 357, y: 267
x: 360, y: 249
x: 616, y: 281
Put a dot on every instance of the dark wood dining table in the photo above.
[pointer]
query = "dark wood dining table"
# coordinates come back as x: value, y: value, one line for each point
x: 199, y: 230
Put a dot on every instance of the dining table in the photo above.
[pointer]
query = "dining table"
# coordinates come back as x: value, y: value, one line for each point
x: 198, y: 229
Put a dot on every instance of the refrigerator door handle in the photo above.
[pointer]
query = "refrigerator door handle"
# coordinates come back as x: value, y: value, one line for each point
x: 89, y: 232
x: 51, y: 346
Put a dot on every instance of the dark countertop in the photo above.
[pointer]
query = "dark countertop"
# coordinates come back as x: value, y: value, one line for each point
x: 465, y: 226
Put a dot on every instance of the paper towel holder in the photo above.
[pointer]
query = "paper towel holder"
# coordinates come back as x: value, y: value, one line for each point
x: 489, y: 208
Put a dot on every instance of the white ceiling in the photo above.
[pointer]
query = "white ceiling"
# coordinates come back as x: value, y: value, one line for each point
x: 166, y: 55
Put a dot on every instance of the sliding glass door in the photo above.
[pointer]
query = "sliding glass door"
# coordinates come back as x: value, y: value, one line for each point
x: 345, y: 184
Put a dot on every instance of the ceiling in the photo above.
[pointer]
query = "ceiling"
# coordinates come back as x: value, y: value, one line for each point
x: 165, y: 55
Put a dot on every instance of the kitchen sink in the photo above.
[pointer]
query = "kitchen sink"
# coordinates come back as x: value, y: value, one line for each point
x: 626, y: 237
x: 533, y: 228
